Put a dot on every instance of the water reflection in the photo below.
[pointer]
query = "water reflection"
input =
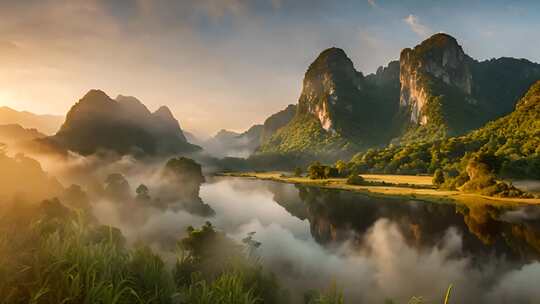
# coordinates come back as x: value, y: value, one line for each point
x: 379, y: 248
x: 338, y: 216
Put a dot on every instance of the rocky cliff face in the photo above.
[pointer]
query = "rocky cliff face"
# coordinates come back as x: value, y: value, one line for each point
x: 339, y: 110
x: 330, y: 86
x: 439, y: 58
x: 124, y: 125
x: 434, y: 91
x: 444, y: 92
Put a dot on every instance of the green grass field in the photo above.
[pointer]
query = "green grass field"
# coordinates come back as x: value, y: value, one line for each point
x: 396, y: 187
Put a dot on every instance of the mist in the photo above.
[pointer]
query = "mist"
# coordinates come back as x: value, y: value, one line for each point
x: 370, y: 265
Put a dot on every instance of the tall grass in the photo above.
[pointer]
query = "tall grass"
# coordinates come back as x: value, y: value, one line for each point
x: 56, y: 260
x: 228, y: 288
x: 64, y: 267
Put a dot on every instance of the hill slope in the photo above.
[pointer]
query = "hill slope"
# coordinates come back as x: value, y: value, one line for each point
x: 336, y: 112
x: 433, y: 92
x: 444, y: 92
x: 14, y: 134
x: 124, y: 125
x: 47, y: 124
x: 509, y: 146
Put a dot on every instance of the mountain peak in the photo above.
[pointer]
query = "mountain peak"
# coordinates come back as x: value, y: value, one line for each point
x: 330, y: 82
x: 96, y: 95
x: 333, y: 60
x: 124, y: 125
x: 223, y: 133
x: 128, y: 99
x: 441, y: 40
x: 132, y: 106
x: 331, y: 53
x: 164, y: 112
x: 438, y: 59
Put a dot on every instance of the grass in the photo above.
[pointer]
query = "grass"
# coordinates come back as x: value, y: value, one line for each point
x: 228, y: 288
x: 416, y: 189
x: 60, y: 259
x: 420, y: 180
x: 67, y: 264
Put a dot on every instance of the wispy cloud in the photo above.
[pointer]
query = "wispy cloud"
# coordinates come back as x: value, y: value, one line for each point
x: 417, y: 27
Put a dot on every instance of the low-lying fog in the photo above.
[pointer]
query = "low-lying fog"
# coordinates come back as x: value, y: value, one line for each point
x: 373, y: 249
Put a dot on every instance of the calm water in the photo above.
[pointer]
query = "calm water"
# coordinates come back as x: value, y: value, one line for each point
x: 377, y: 249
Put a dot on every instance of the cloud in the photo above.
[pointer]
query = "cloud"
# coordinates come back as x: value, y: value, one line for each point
x: 417, y: 27
x: 372, y: 3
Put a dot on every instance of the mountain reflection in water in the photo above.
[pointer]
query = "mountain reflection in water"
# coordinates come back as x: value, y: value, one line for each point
x: 383, y: 248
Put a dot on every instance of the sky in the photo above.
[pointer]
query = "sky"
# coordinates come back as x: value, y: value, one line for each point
x: 227, y: 63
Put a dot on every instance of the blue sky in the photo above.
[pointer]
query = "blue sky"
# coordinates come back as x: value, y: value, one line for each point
x: 227, y: 63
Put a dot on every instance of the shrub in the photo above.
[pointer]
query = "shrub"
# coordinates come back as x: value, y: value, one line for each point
x: 355, y: 179
x: 438, y: 178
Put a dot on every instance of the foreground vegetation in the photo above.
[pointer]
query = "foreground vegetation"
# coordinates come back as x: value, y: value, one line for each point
x: 51, y: 254
x: 55, y: 254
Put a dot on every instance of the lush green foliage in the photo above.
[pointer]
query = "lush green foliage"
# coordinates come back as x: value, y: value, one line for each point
x: 318, y: 171
x: 355, y: 179
x: 183, y: 166
x: 438, y: 177
x: 51, y: 255
x: 125, y: 126
x: 510, y: 146
x: 304, y: 134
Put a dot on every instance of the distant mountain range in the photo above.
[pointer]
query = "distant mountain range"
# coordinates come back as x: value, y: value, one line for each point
x: 234, y: 144
x: 13, y: 134
x: 124, y: 125
x: 47, y: 124
x: 434, y: 91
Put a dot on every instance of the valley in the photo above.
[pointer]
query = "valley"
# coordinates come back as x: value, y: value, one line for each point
x: 269, y: 152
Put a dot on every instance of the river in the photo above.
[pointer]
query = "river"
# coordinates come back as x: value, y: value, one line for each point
x: 377, y: 249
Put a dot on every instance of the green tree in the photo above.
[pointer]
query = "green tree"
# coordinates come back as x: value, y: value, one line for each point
x: 316, y: 171
x: 143, y: 193
x: 342, y: 168
x: 184, y: 168
x: 330, y: 172
x: 355, y: 179
x: 438, y: 177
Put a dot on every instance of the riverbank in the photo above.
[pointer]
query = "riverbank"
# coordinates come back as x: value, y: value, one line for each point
x: 420, y: 188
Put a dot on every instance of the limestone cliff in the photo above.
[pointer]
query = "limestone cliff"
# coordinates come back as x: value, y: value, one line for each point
x: 330, y: 86
x: 437, y: 58
x: 434, y: 91
x: 338, y: 110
